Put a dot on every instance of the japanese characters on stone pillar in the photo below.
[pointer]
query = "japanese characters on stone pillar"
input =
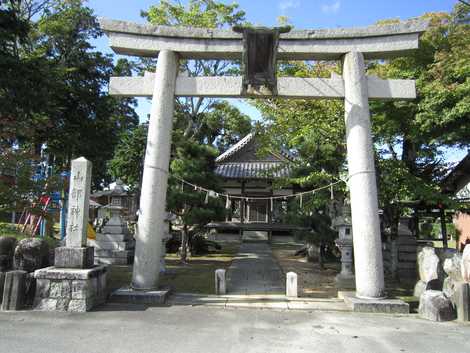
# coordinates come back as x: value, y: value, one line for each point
x: 79, y: 200
x: 76, y: 254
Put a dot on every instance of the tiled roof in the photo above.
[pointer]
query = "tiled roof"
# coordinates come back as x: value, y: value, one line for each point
x: 252, y: 170
x: 235, y: 148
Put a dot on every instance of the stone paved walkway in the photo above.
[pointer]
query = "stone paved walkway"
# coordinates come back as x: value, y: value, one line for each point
x: 255, y: 271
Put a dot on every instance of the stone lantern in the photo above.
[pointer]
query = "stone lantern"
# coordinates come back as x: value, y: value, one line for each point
x: 345, y: 279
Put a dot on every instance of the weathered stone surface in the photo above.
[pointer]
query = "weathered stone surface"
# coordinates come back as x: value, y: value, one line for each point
x: 392, y: 306
x: 111, y: 245
x: 42, y: 288
x: 466, y: 264
x: 68, y: 257
x: 362, y: 180
x: 128, y: 295
x: 79, y: 199
x: 428, y: 265
x: 31, y: 254
x: 114, y: 260
x: 103, y: 237
x: 7, y: 251
x: 461, y: 300
x: 2, y: 283
x: 73, y: 290
x: 375, y: 42
x: 452, y: 267
x: 220, y: 282
x: 45, y: 304
x: 435, y: 306
x: 113, y: 253
x: 14, y: 290
x: 53, y: 273
x: 291, y: 285
x: 287, y: 87
x: 60, y: 289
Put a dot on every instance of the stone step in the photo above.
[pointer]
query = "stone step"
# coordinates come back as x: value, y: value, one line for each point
x: 114, y: 260
x: 111, y: 245
x: 113, y: 253
x: 102, y: 237
x: 255, y: 235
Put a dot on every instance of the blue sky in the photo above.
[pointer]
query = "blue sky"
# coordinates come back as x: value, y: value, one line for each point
x: 303, y: 14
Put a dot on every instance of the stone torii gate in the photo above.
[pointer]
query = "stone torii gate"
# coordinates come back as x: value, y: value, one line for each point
x: 352, y: 46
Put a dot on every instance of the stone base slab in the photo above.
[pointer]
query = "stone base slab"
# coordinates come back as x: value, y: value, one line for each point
x: 111, y: 245
x: 111, y: 237
x: 114, y: 260
x: 72, y: 290
x: 66, y: 257
x: 389, y: 306
x: 129, y: 295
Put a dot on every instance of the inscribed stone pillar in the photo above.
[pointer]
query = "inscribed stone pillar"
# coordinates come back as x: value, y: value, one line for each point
x: 76, y: 254
x: 79, y: 201
x: 151, y: 224
x: 362, y: 181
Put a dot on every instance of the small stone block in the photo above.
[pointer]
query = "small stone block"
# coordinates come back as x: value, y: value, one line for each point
x: 2, y: 283
x: 435, y: 306
x: 220, y: 282
x: 291, y: 285
x: 389, y: 306
x: 74, y: 257
x: 462, y: 301
x: 14, y: 290
x: 128, y: 295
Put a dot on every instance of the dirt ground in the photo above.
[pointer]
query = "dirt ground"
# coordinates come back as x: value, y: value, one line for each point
x: 197, y: 276
x: 313, y: 282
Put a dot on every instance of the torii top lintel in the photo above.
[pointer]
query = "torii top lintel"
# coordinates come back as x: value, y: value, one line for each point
x: 375, y: 42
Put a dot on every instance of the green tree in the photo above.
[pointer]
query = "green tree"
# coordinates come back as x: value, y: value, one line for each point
x: 194, y: 163
x: 195, y: 113
x: 411, y: 136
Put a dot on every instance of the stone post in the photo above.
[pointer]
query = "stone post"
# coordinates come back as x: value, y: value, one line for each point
x: 291, y: 285
x: 155, y: 178
x: 220, y: 282
x: 362, y: 181
x: 76, y: 254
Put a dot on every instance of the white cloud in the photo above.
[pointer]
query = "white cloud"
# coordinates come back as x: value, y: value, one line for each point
x: 331, y: 8
x: 288, y: 4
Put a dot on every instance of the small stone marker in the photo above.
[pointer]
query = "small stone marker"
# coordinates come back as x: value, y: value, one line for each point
x: 14, y: 290
x: 466, y: 264
x: 462, y: 301
x: 428, y: 263
x: 76, y: 254
x: 220, y: 284
x: 291, y: 285
x: 435, y: 306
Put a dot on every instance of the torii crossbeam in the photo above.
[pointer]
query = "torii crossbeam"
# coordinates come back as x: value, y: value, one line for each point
x: 352, y: 46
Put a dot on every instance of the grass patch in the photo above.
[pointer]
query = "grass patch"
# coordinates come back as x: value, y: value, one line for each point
x: 197, y: 276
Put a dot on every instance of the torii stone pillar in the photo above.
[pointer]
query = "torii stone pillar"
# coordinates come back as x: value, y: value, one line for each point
x: 362, y: 182
x: 152, y: 209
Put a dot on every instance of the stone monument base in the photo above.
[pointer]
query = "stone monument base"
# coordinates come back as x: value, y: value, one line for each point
x: 150, y: 297
x: 66, y: 289
x: 67, y: 257
x: 389, y: 306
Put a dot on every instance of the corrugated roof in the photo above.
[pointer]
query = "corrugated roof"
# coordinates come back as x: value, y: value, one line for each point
x: 252, y: 170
